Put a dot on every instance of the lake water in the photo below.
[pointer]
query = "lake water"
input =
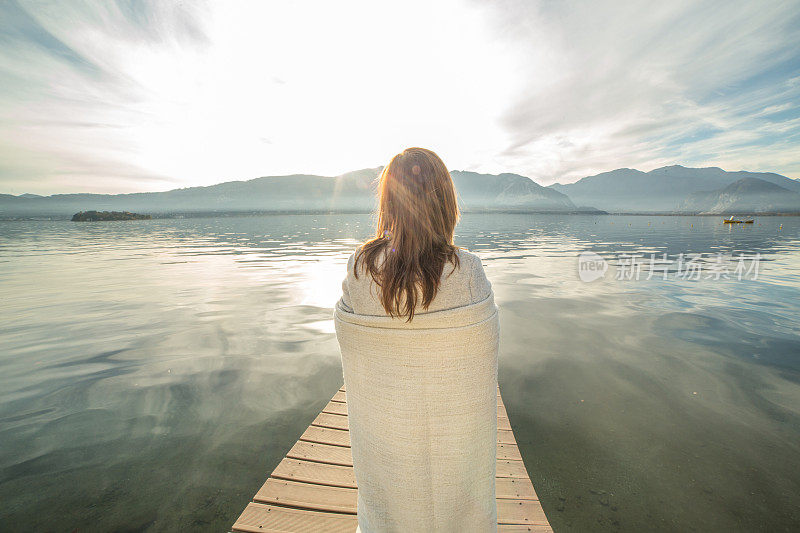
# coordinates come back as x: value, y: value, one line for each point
x: 153, y: 373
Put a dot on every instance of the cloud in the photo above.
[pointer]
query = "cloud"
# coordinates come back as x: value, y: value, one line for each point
x: 66, y: 105
x: 119, y: 96
x: 644, y: 84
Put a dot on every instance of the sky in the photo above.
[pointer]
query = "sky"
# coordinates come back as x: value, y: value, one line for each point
x: 154, y: 95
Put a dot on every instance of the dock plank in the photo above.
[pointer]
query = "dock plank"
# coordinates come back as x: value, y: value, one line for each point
x: 501, y: 409
x: 514, y: 489
x: 258, y: 518
x: 335, y: 408
x: 508, y: 451
x: 318, y: 473
x: 321, y: 453
x: 511, y: 468
x: 506, y: 436
x: 308, y: 496
x: 328, y: 447
x: 510, y: 494
x: 327, y: 420
x: 336, y: 437
x: 314, y: 489
x: 503, y: 528
x: 522, y: 512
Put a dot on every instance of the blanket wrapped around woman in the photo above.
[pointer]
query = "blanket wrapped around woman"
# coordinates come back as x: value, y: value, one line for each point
x: 422, y: 407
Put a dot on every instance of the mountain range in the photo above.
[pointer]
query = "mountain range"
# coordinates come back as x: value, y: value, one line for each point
x: 350, y: 192
x: 663, y: 190
x: 747, y: 195
x: 673, y: 189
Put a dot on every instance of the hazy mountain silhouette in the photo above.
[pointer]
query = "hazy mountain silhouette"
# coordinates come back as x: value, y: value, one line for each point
x: 660, y: 190
x: 353, y: 191
x: 507, y: 191
x: 664, y: 190
x: 748, y: 195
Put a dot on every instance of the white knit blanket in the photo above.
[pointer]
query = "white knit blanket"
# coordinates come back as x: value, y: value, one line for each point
x: 422, y: 407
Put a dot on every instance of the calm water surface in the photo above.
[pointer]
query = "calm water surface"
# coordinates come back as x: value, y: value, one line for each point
x: 152, y: 373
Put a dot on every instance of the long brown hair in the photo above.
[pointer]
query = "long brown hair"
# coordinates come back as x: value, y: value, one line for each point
x: 417, y: 215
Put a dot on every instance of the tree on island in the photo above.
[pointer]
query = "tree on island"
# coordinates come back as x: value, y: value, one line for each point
x: 95, y: 216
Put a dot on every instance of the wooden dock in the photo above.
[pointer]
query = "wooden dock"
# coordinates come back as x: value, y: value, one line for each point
x: 314, y: 488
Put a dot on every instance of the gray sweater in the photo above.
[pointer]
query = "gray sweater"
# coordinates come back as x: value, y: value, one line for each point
x: 460, y: 286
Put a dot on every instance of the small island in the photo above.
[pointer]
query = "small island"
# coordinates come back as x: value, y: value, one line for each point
x: 95, y: 216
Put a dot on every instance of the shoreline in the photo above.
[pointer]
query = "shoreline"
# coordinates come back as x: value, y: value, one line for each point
x: 235, y: 214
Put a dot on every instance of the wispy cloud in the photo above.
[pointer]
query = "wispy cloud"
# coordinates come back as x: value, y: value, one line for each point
x: 150, y: 95
x: 644, y: 84
x: 67, y: 102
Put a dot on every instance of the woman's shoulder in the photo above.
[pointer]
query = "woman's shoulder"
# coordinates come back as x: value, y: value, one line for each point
x: 351, y: 261
x: 472, y: 268
x: 468, y: 260
x: 356, y: 266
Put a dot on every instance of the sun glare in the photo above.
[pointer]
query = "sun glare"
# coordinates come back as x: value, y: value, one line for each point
x: 262, y: 96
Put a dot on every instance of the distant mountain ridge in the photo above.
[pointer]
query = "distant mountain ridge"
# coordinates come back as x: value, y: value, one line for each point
x: 748, y: 195
x: 672, y: 189
x: 663, y: 190
x: 507, y: 191
x: 350, y: 192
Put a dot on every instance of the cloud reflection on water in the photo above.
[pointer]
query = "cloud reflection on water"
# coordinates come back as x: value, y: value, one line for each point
x: 161, y: 362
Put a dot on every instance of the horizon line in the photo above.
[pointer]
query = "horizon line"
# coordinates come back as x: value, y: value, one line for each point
x: 381, y: 166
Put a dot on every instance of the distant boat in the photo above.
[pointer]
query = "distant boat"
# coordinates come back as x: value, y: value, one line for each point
x: 734, y: 221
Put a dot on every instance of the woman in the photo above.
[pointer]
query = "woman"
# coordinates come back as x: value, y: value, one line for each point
x: 418, y: 331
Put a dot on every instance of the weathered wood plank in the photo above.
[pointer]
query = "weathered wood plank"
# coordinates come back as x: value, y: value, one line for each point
x: 335, y: 408
x: 326, y: 420
x: 508, y: 468
x: 520, y: 512
x: 322, y: 453
x: 308, y: 496
x: 508, y: 451
x: 340, y: 455
x: 341, y: 437
x: 344, y: 500
x: 319, y: 473
x: 337, y: 437
x: 515, y: 488
x: 259, y: 518
x: 505, y: 528
x: 506, y: 436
